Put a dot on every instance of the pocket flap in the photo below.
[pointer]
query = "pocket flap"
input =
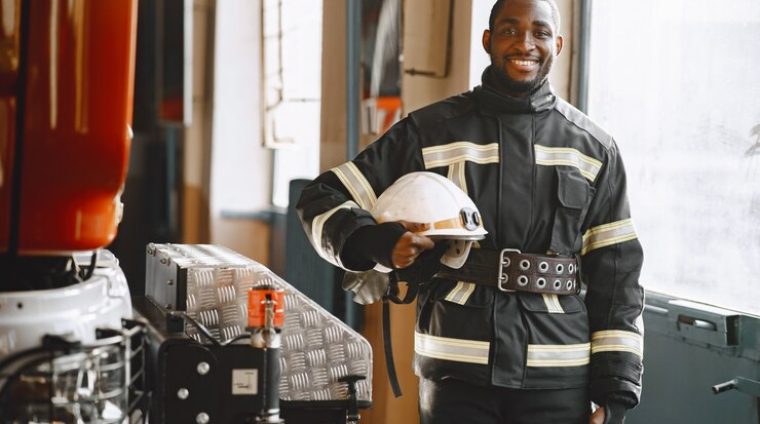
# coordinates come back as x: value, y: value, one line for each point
x: 469, y: 294
x: 535, y: 302
x: 572, y: 189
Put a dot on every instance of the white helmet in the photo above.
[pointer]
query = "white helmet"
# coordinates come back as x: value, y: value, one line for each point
x: 442, y: 208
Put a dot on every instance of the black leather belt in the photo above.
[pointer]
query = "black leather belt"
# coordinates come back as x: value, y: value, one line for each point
x: 510, y: 270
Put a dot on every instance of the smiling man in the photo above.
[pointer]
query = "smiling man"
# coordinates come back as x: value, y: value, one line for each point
x: 522, y: 41
x: 506, y: 337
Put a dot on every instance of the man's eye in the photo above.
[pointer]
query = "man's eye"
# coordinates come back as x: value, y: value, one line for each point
x: 542, y: 35
x: 509, y: 32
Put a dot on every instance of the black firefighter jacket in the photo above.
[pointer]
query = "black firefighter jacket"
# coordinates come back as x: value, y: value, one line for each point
x: 545, y: 179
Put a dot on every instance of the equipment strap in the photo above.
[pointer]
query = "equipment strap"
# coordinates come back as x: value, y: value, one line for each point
x: 388, y: 347
x: 392, y: 295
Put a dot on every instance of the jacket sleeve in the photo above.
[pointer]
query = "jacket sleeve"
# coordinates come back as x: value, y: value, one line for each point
x: 339, y: 201
x: 611, y: 262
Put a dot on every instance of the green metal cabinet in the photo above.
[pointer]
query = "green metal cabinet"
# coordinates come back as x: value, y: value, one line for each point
x: 688, y: 349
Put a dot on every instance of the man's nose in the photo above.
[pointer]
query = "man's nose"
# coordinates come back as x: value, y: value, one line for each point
x: 525, y: 41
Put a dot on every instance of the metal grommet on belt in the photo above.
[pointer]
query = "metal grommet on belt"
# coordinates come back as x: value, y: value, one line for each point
x: 541, y: 282
x: 543, y: 266
x: 524, y: 264
x: 548, y: 274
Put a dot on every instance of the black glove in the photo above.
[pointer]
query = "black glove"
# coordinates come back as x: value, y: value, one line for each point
x: 371, y: 244
x: 614, y: 413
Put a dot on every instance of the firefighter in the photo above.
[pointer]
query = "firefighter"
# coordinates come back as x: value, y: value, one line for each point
x: 507, y: 337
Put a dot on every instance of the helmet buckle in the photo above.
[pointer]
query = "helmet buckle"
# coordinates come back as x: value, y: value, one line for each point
x: 470, y: 219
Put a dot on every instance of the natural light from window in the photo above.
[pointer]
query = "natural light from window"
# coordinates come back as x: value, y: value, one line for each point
x: 677, y: 83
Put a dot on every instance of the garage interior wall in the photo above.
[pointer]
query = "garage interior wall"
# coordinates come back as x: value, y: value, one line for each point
x: 195, y: 222
x: 234, y: 172
x: 227, y: 168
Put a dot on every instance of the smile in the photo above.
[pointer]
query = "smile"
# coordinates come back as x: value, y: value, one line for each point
x: 526, y: 63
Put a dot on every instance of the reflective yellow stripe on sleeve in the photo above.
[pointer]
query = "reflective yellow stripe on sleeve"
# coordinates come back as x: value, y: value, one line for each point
x: 573, y: 355
x: 317, y: 227
x: 553, y: 156
x: 460, y: 151
x: 449, y: 349
x: 357, y: 185
x: 617, y: 341
x: 608, y: 234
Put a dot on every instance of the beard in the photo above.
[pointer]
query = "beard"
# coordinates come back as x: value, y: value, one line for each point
x: 519, y: 87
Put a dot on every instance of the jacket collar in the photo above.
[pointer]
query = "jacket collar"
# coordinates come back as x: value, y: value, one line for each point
x: 492, y: 102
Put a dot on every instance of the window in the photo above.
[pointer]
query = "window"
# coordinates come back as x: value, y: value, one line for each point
x: 677, y: 83
x: 292, y: 78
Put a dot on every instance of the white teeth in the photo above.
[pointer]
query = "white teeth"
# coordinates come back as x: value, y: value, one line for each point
x: 524, y: 62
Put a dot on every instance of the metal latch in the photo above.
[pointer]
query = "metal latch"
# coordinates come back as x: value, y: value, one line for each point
x: 750, y: 387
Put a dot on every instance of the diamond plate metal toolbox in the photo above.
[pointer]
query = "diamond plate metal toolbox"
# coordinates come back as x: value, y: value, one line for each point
x: 210, y: 283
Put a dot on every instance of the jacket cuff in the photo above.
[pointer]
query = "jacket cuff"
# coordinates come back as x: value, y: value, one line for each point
x: 616, y: 376
x: 615, y: 390
x: 614, y: 413
x: 371, y: 244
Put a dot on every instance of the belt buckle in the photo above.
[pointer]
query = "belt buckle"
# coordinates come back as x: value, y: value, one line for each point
x: 504, y: 261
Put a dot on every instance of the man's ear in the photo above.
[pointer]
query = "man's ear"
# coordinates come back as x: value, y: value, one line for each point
x: 560, y: 43
x: 487, y: 41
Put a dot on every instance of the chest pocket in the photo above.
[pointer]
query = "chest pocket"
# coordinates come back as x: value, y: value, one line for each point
x: 574, y: 195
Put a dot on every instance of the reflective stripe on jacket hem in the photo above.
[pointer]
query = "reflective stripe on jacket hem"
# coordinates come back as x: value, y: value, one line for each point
x: 572, y: 355
x: 458, y: 350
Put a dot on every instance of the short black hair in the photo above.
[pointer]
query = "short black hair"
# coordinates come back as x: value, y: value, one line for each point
x: 500, y: 3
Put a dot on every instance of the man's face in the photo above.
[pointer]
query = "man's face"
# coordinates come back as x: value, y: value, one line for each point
x: 522, y: 45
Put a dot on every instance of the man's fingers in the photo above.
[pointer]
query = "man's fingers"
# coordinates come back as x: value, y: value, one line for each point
x: 413, y: 244
x: 403, y: 263
x: 597, y: 417
x: 408, y: 248
x: 403, y: 259
x: 414, y: 227
x: 422, y: 242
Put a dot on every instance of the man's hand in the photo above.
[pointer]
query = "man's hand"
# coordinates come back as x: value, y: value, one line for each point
x: 597, y: 417
x: 410, y: 245
x: 612, y: 413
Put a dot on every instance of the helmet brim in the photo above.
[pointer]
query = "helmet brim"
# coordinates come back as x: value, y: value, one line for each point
x: 455, y: 235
